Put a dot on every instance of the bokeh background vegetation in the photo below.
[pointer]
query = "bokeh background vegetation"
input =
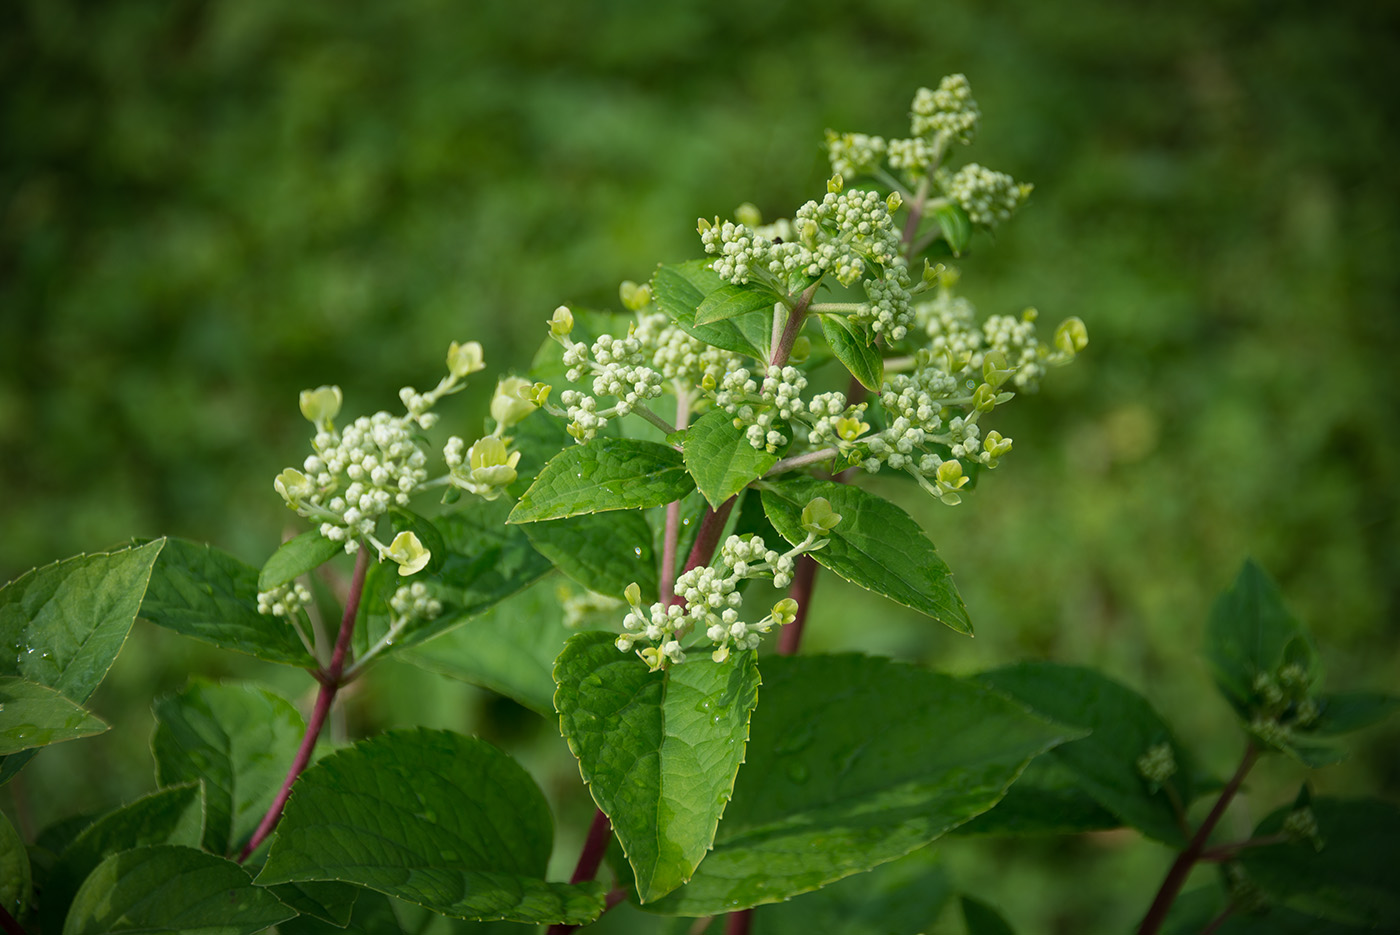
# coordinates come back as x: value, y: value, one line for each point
x: 205, y: 207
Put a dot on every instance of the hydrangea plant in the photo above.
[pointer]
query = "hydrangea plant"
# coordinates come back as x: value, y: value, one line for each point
x: 688, y: 465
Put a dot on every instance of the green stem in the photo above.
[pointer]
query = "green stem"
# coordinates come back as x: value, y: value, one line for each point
x: 331, y: 678
x: 802, y: 460
x: 1181, y: 867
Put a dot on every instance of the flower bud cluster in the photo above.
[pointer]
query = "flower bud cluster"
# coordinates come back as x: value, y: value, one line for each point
x: 1157, y: 765
x: 988, y: 197
x: 413, y: 602
x: 619, y: 370
x: 949, y: 111
x: 285, y: 601
x: 855, y: 154
x: 708, y: 600
x: 759, y: 406
x: 680, y: 358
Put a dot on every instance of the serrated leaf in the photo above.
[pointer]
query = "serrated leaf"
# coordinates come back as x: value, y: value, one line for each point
x: 170, y: 816
x: 445, y: 821
x: 331, y: 903
x: 167, y: 888
x: 1045, y: 799
x: 982, y: 919
x: 238, y: 740
x: 659, y: 750
x: 720, y: 458
x: 1354, y: 878
x: 730, y: 300
x: 602, y: 553
x: 1251, y: 633
x: 854, y: 345
x: 679, y: 289
x: 903, y: 897
x: 854, y: 761
x: 16, y: 880
x: 34, y: 715
x: 1124, y: 727
x: 876, y: 545
x: 62, y: 625
x: 372, y: 914
x: 955, y: 225
x: 203, y: 592
x: 511, y: 649
x: 296, y: 557
x: 605, y: 474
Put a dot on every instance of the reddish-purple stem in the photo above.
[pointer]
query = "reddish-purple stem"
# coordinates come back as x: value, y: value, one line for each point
x: 737, y: 923
x: 796, y: 317
x: 8, y: 923
x: 330, y: 679
x: 711, y: 525
x: 804, y: 579
x: 1181, y: 867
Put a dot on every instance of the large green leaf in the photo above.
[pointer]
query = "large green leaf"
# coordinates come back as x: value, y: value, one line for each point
x: 659, y: 750
x: 903, y: 897
x: 15, y: 874
x: 237, y: 739
x: 720, y: 458
x: 442, y: 820
x: 1046, y: 799
x: 510, y: 649
x: 34, y: 715
x: 854, y: 345
x: 322, y: 900
x: 604, y: 553
x: 1344, y: 712
x: 1196, y: 910
x: 200, y: 591
x: 371, y: 914
x: 680, y: 288
x: 167, y: 888
x: 982, y: 919
x: 854, y: 761
x: 62, y: 625
x: 876, y: 545
x: 1124, y: 728
x: 1354, y: 878
x: 170, y: 816
x: 731, y: 300
x: 1251, y: 633
x: 605, y: 474
x: 296, y: 557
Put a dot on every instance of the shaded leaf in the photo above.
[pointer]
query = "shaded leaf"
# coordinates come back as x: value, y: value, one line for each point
x: 1124, y: 728
x: 331, y: 903
x: 854, y: 761
x: 982, y: 919
x: 1045, y: 799
x: 679, y: 289
x: 34, y: 715
x: 296, y: 557
x: 1344, y: 712
x: 903, y: 897
x: 730, y: 300
x: 720, y: 458
x: 602, y: 553
x: 605, y: 474
x: 442, y: 820
x: 876, y: 545
x: 371, y: 914
x: 203, y: 592
x: 238, y: 740
x: 659, y: 750
x: 854, y: 345
x: 955, y: 225
x: 15, y: 875
x: 167, y: 888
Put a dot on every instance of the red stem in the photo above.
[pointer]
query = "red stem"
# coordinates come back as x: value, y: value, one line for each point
x: 737, y: 923
x: 1181, y: 868
x: 8, y: 923
x: 330, y: 680
x: 804, y: 579
x: 711, y: 525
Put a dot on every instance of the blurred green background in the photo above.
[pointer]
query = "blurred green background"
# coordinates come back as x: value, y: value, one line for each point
x: 205, y: 207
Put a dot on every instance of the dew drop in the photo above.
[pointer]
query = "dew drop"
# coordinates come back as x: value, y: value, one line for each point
x: 638, y: 551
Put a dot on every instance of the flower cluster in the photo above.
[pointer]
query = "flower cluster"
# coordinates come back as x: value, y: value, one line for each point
x: 709, y: 599
x: 620, y: 370
x: 988, y: 197
x: 285, y: 601
x: 759, y: 406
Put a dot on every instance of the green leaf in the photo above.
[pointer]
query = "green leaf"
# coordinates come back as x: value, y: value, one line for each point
x: 485, y: 562
x: 854, y: 761
x: 982, y: 919
x: 170, y: 816
x: 605, y: 474
x: 1194, y: 911
x: 62, y: 625
x: 16, y: 881
x: 602, y: 553
x: 442, y: 820
x: 1046, y: 799
x: 371, y: 914
x: 679, y: 289
x: 296, y: 557
x: 238, y: 740
x: 1251, y: 633
x: 955, y: 225
x: 720, y: 458
x: 34, y: 715
x: 166, y: 888
x: 331, y: 903
x: 1354, y: 878
x: 1344, y: 712
x: 659, y: 750
x: 510, y: 649
x: 876, y: 545
x: 200, y: 591
x: 854, y: 345
x: 730, y: 300
x: 904, y: 897
x: 1124, y: 727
